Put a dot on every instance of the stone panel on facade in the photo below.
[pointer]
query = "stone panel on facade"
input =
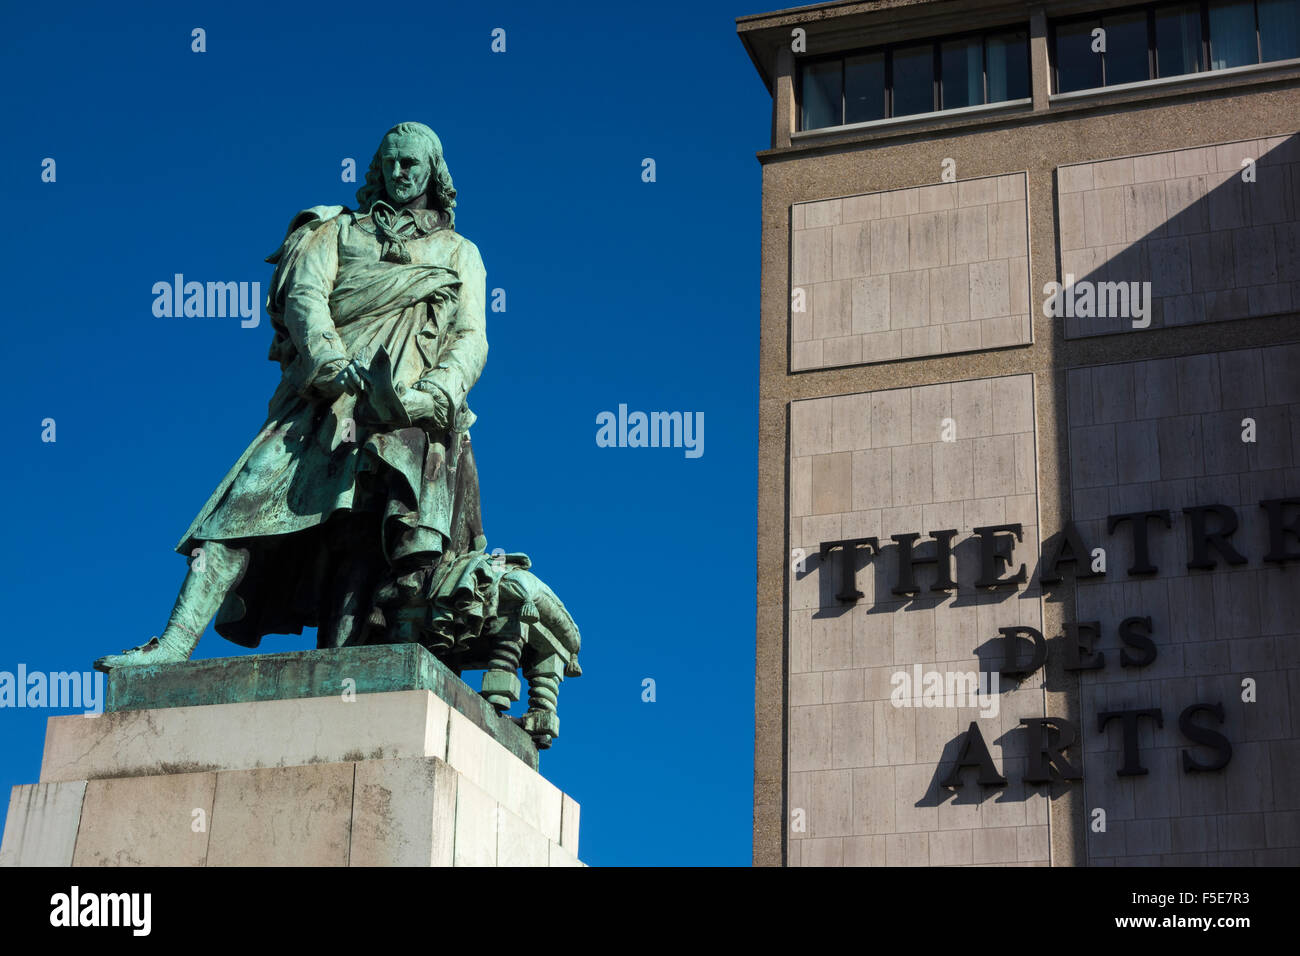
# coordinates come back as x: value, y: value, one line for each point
x: 1215, y: 230
x: 1213, y: 628
x: 865, y: 774
x: 928, y: 270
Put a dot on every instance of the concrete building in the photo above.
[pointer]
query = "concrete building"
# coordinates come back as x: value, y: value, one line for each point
x: 1030, y: 412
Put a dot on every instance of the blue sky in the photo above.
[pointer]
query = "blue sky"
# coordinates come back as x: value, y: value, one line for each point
x: 618, y: 291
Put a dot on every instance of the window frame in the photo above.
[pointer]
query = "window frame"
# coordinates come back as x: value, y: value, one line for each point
x: 1205, y: 64
x: 1209, y: 44
x: 984, y: 70
x: 936, y: 90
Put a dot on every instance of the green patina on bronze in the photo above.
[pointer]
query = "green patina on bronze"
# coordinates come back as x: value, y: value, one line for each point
x: 322, y: 673
x: 355, y: 508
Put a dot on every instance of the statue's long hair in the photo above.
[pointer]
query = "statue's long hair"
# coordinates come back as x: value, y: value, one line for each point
x: 442, y: 194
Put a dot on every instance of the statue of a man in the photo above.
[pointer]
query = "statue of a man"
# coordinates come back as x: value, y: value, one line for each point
x: 362, y: 481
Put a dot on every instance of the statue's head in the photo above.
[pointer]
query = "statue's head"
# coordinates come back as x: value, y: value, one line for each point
x: 407, y: 164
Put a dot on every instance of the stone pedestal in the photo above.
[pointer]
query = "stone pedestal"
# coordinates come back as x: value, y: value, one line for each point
x: 354, y: 757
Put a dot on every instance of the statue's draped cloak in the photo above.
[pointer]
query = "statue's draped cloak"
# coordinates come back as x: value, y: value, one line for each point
x: 326, y: 488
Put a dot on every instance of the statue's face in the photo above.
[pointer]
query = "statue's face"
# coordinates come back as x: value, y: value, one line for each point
x: 406, y: 166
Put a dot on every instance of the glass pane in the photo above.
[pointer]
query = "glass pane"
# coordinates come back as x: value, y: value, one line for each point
x: 1232, y: 35
x: 1178, y: 40
x: 1279, y: 29
x: 914, y: 80
x: 821, y: 95
x: 962, y: 63
x: 1077, y: 66
x: 1126, y: 48
x: 864, y: 88
x: 1008, y: 66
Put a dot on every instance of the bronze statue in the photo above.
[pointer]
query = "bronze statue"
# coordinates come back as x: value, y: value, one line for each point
x: 355, y: 509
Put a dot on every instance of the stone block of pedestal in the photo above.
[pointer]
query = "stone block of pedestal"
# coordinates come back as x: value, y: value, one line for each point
x: 353, y: 757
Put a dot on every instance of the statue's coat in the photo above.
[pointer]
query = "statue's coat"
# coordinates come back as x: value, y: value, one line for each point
x: 333, y: 297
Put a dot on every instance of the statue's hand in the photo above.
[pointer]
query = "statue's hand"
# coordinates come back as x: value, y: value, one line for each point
x: 340, y: 376
x: 428, y: 407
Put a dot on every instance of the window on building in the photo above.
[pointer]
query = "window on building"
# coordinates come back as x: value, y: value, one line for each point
x: 1078, y: 66
x: 913, y: 86
x: 908, y: 79
x: 1125, y: 59
x: 1279, y: 29
x: 1232, y: 34
x: 821, y: 94
x: 961, y: 63
x: 1171, y: 39
x: 1007, y: 66
x: 1178, y: 40
x: 864, y: 89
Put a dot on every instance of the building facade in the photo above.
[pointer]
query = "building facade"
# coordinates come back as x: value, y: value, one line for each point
x: 1029, y: 456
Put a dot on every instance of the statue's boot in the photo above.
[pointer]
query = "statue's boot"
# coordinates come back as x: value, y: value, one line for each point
x: 200, y: 597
